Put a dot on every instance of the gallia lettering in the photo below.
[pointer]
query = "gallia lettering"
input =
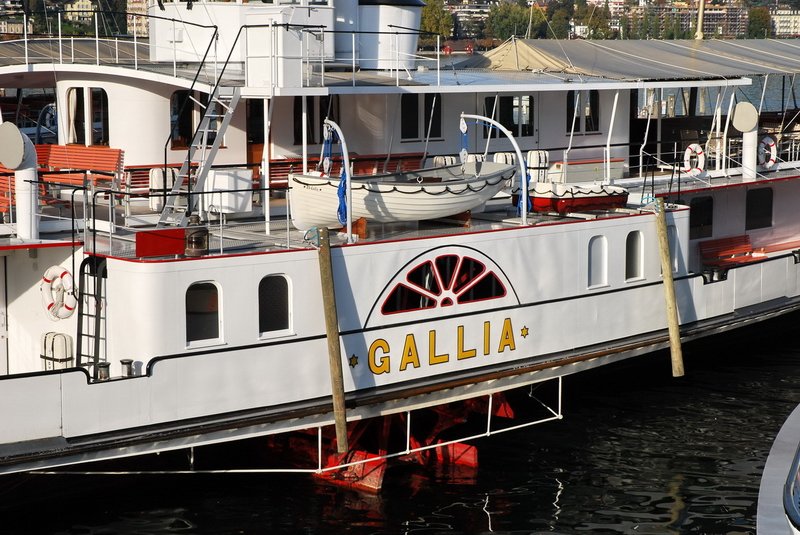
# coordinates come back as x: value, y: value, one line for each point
x: 416, y: 352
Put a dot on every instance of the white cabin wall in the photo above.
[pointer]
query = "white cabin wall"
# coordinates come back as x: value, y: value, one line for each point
x: 144, y: 107
x: 189, y: 43
x: 553, y: 131
x: 156, y: 326
x: 785, y: 224
x: 363, y: 116
x: 27, y: 318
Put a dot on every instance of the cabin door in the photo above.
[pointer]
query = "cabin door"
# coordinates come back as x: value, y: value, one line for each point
x: 255, y: 134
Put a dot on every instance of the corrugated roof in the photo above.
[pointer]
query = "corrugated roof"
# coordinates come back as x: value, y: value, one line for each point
x: 645, y: 59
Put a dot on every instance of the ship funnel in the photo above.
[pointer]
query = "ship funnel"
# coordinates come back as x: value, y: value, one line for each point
x: 745, y: 120
x: 18, y: 153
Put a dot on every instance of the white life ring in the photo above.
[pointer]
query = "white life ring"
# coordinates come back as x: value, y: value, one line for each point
x: 767, y: 145
x: 696, y: 151
x: 58, y: 293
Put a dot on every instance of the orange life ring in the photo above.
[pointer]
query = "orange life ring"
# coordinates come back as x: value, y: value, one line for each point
x: 58, y: 293
x: 767, y: 147
x: 694, y: 151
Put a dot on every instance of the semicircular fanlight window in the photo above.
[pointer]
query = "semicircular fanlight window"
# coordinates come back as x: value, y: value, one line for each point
x: 446, y: 281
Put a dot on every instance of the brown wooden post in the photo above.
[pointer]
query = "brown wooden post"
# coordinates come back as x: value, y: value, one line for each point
x: 669, y: 290
x: 332, y: 331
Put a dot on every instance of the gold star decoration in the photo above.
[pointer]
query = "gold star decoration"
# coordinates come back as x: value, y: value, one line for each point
x: 353, y: 360
x: 524, y: 332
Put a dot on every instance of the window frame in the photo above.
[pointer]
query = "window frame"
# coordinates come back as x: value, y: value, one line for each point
x: 754, y: 221
x: 587, y: 121
x: 509, y: 114
x: 597, y: 259
x: 204, y: 342
x: 699, y: 215
x: 634, y: 255
x: 415, y: 115
x: 316, y: 111
x: 289, y: 329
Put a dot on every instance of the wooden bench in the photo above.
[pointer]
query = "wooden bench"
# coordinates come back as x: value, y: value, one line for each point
x: 66, y: 165
x: 728, y: 251
x: 279, y: 169
x: 781, y: 246
x: 74, y: 165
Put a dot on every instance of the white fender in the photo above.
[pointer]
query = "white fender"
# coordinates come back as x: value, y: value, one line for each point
x: 767, y: 152
x: 694, y: 150
x: 58, y: 295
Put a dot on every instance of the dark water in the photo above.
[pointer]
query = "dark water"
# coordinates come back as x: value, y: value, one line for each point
x: 637, y: 452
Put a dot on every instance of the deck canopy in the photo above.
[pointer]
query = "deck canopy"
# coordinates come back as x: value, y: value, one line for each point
x: 629, y: 60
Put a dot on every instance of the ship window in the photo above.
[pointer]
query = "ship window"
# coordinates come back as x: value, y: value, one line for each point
x: 181, y: 110
x: 99, y: 116
x: 448, y: 280
x: 76, y: 116
x: 317, y: 110
x: 514, y: 113
x: 571, y: 109
x: 587, y: 108
x: 758, y: 212
x: 273, y: 304
x: 633, y: 256
x: 598, y: 260
x: 418, y: 113
x: 409, y: 113
x: 701, y: 217
x: 202, y: 312
x: 591, y: 114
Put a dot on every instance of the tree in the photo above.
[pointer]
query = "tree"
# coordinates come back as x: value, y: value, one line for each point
x: 560, y: 24
x: 506, y: 19
x: 599, y: 22
x: 759, y: 25
x: 436, y: 19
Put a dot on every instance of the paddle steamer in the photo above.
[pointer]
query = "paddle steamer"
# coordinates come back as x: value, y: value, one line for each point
x: 156, y: 295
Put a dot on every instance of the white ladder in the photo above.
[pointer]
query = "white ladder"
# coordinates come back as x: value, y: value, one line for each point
x: 216, y: 118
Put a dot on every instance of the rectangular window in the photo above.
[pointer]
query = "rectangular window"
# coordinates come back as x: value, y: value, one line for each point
x: 99, y: 116
x: 418, y: 113
x: 523, y: 115
x: 298, y: 121
x: 181, y: 110
x: 758, y: 213
x: 572, y: 120
x: 409, y: 116
x: 433, y: 115
x: 77, y: 121
x: 591, y: 114
x: 583, y: 109
x: 701, y: 217
x: 514, y: 113
x: 202, y: 312
x: 273, y: 304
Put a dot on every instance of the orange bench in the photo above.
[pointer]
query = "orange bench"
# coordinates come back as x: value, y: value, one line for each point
x: 66, y: 165
x: 279, y: 169
x: 782, y: 246
x: 73, y: 164
x: 727, y: 251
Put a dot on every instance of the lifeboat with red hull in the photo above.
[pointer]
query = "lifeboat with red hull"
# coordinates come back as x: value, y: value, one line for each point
x: 564, y: 198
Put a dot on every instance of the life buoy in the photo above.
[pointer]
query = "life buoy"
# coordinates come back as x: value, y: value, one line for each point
x: 694, y: 151
x: 58, y: 293
x: 767, y: 146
